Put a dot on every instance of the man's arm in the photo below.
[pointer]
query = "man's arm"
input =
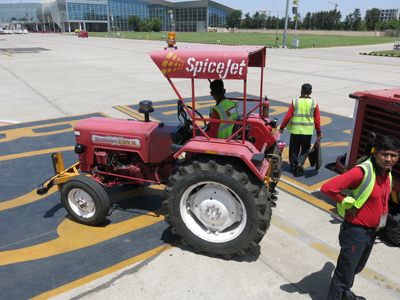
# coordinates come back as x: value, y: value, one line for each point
x: 317, y: 121
x: 349, y: 180
x: 288, y: 116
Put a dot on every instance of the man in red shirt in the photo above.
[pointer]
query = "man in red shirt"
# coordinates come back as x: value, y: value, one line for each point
x: 365, y: 209
x: 301, y: 118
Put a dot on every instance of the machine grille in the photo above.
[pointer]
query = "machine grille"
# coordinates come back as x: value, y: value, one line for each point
x: 381, y: 121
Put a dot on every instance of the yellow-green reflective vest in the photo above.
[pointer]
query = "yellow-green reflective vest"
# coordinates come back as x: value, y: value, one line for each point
x: 302, y: 121
x: 358, y: 196
x: 227, y: 110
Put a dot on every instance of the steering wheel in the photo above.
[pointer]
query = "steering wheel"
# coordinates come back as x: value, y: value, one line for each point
x: 183, y: 117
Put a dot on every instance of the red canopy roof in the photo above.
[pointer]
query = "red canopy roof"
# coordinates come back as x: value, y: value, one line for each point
x: 209, y: 62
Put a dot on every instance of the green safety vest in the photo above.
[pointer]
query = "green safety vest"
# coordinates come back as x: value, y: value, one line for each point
x: 302, y: 121
x: 227, y: 111
x: 358, y: 196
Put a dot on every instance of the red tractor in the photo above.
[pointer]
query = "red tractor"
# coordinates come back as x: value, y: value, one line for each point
x: 219, y: 192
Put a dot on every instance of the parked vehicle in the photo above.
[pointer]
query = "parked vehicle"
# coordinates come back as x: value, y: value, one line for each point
x: 219, y: 191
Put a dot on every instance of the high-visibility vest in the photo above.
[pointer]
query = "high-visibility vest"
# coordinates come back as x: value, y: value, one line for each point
x: 227, y: 110
x: 358, y: 196
x: 302, y: 121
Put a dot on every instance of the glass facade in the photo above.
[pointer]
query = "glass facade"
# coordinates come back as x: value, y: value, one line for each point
x: 98, y: 15
x: 191, y: 19
x: 86, y: 11
x: 217, y: 17
x: 19, y: 12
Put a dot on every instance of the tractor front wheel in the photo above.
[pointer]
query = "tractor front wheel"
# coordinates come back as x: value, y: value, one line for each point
x: 218, y: 207
x: 85, y: 200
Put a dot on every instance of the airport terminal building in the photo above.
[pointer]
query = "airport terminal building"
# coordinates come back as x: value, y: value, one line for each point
x: 101, y: 15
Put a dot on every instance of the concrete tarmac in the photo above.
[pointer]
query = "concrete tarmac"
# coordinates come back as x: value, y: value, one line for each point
x: 67, y: 76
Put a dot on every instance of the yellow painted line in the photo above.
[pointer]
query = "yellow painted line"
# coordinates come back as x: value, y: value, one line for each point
x: 308, y: 188
x: 124, y: 110
x: 325, y: 120
x: 347, y: 131
x: 13, y: 134
x: 28, y: 131
x: 174, y: 104
x: 305, y: 196
x: 25, y: 199
x: 36, y: 152
x: 331, y: 252
x: 134, y: 113
x: 73, y: 236
x: 102, y: 273
x: 171, y: 112
x: 276, y: 110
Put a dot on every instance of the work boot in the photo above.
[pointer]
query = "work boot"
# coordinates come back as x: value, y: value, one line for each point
x: 349, y: 295
x: 299, y: 171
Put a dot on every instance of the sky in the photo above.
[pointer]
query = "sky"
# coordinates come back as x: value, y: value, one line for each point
x: 279, y: 6
x: 275, y: 7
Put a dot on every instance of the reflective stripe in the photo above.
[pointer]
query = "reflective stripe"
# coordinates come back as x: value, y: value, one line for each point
x: 302, y: 121
x: 302, y: 124
x: 366, y: 181
x: 361, y: 193
x: 301, y: 115
x: 223, y: 108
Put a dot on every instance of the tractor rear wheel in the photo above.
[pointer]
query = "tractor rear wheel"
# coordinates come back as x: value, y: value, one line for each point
x: 217, y: 206
x: 85, y: 200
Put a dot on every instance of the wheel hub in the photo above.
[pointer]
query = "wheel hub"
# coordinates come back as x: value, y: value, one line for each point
x: 81, y: 203
x: 215, y: 207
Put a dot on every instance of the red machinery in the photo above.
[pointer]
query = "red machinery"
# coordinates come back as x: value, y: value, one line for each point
x: 376, y: 112
x: 83, y: 34
x: 219, y: 192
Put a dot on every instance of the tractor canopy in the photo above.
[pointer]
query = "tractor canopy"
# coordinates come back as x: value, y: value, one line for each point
x: 209, y: 62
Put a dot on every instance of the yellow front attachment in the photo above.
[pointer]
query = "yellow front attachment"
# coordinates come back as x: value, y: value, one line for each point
x: 61, y: 176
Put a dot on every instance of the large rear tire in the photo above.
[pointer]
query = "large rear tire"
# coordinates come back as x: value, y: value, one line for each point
x: 85, y: 200
x: 392, y: 229
x: 217, y: 206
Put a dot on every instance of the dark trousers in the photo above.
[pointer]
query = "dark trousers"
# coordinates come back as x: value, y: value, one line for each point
x: 299, y: 146
x: 356, y: 243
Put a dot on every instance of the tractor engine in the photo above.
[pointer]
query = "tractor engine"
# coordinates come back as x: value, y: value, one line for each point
x: 118, y: 150
x: 121, y: 163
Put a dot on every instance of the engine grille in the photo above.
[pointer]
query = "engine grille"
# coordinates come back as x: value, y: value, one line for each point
x: 381, y: 121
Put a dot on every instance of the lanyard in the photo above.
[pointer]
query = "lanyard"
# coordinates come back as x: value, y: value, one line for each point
x: 382, y: 186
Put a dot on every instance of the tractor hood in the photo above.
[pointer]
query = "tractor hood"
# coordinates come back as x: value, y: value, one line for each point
x: 113, y: 132
x: 209, y: 62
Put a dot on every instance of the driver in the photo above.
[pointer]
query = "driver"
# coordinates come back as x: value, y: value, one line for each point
x: 224, y: 109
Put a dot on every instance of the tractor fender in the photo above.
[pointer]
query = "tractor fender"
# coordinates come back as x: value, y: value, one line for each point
x: 246, y: 152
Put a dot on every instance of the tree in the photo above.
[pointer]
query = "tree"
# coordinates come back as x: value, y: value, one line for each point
x: 247, y: 22
x: 233, y: 20
x: 348, y: 22
x: 259, y: 20
x: 372, y: 18
x: 133, y: 22
x: 145, y: 25
x: 356, y: 19
x: 307, y: 21
x: 156, y: 24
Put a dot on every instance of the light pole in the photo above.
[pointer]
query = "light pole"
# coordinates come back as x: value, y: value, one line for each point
x: 286, y: 24
x: 108, y: 17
